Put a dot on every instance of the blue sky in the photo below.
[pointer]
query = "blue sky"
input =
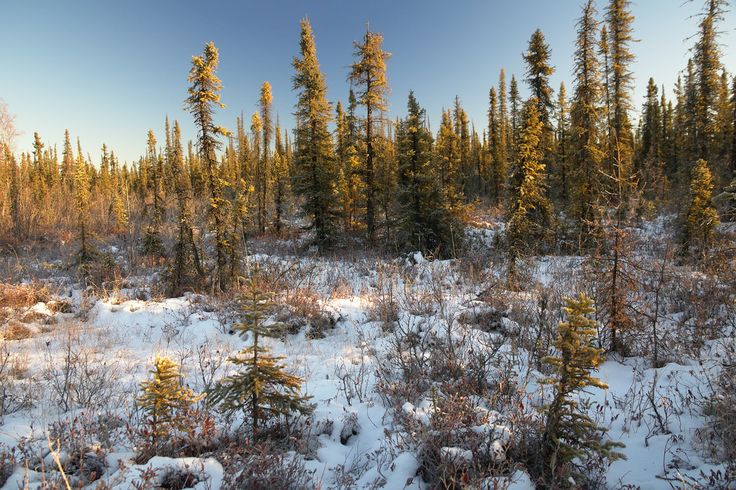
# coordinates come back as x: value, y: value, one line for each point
x: 109, y: 71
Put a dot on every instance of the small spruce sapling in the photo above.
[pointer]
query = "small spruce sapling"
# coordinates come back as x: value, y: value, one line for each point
x: 570, y: 434
x: 261, y: 387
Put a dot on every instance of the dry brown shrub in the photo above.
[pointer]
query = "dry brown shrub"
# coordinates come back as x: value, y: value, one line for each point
x: 16, y: 331
x: 22, y: 295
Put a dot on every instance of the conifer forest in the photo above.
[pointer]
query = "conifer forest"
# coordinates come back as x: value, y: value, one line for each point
x: 363, y: 294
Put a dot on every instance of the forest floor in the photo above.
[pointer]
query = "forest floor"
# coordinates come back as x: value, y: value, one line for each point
x: 77, y: 360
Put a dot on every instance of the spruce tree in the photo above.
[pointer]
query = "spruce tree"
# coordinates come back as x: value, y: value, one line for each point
x: 538, y: 72
x: 447, y: 157
x: 204, y: 97
x: 561, y: 168
x: 701, y: 218
x: 586, y: 152
x: 504, y: 136
x: 81, y: 199
x: 498, y: 165
x: 262, y: 387
x: 314, y: 162
x: 619, y: 87
x: 165, y: 401
x: 515, y: 114
x: 280, y: 180
x: 570, y: 434
x: 186, y: 268
x: 368, y: 77
x: 707, y: 66
x: 67, y: 162
x: 263, y: 166
x: 426, y: 222
x: 152, y: 243
x: 529, y: 216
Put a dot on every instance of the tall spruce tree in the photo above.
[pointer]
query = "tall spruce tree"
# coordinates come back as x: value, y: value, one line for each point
x: 152, y: 242
x: 425, y: 220
x: 538, y: 71
x: 186, y: 269
x: 529, y: 215
x: 204, y: 97
x: 586, y: 152
x: 314, y: 161
x: 619, y: 86
x: 561, y: 168
x: 82, y: 202
x: 701, y: 218
x: 368, y: 77
x: 263, y: 167
x: 707, y: 67
x: 280, y: 179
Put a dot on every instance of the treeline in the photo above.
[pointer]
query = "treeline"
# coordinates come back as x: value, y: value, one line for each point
x: 568, y: 172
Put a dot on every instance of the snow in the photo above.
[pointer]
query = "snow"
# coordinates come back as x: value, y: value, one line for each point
x: 130, y: 332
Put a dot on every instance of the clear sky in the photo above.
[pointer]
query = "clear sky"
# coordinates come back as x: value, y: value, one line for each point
x: 110, y: 70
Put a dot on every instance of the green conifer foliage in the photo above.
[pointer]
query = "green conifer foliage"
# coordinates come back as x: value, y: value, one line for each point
x: 368, y: 76
x: 186, y: 270
x: 619, y: 85
x: 570, y: 434
x: 425, y: 218
x: 263, y: 167
x: 152, y: 242
x: 537, y: 75
x: 529, y: 216
x: 81, y: 199
x: 261, y: 387
x: 315, y: 171
x: 585, y: 114
x: 204, y: 97
x: 701, y: 218
x: 707, y: 66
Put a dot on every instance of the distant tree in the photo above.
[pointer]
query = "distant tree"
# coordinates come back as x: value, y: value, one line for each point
x: 263, y: 166
x: 314, y: 166
x: 152, y: 242
x: 570, y: 434
x: 701, y: 218
x: 368, y: 77
x: 585, y: 139
x: 8, y: 131
x: 707, y: 67
x: 186, y: 269
x: 425, y: 219
x: 538, y: 72
x: 619, y: 87
x: 280, y: 180
x: 67, y: 162
x: 81, y: 199
x: 529, y: 215
x: 204, y: 97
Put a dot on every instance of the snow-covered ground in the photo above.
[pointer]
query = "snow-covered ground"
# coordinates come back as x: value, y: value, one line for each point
x: 654, y: 412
